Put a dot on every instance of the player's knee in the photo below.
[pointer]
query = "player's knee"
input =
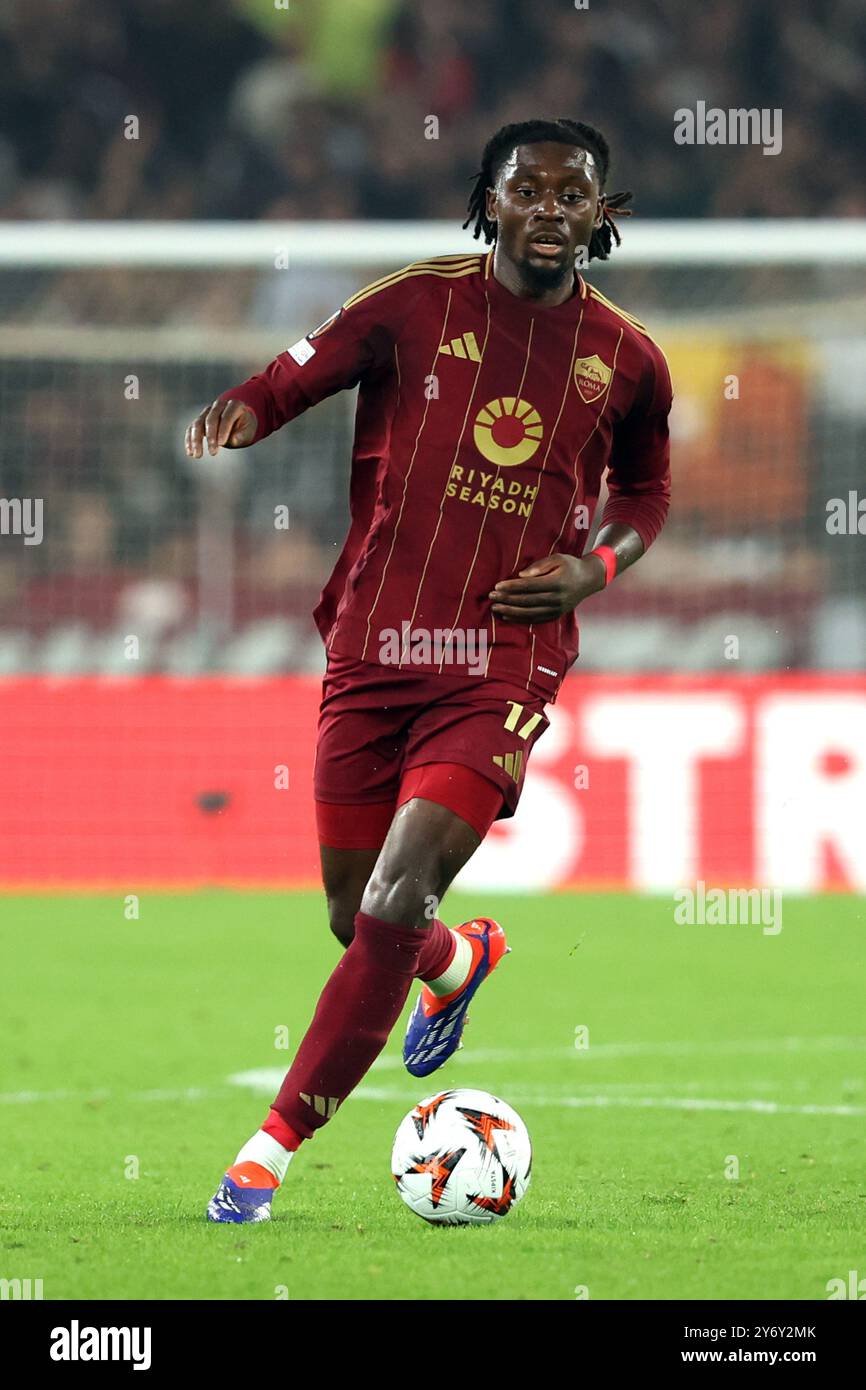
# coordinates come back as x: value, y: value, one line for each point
x: 404, y: 895
x: 341, y: 919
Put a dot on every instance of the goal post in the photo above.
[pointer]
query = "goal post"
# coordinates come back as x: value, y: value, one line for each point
x: 113, y: 334
x: 762, y: 242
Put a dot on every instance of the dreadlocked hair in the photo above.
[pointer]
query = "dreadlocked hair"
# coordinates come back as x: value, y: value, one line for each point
x: 560, y: 131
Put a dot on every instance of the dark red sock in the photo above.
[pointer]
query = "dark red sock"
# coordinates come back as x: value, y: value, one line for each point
x: 438, y: 951
x: 355, y: 1014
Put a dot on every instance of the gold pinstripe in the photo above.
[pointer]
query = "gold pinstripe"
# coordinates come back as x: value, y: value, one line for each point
x: 466, y: 266
x: 541, y: 475
x: 526, y: 361
x: 399, y: 378
x: 399, y: 388
x: 431, y: 263
x: 409, y: 275
x: 629, y: 318
x: 423, y: 422
x: 492, y: 645
x: 551, y: 439
x: 448, y: 474
x: 614, y: 308
x: 603, y: 399
x: 623, y: 313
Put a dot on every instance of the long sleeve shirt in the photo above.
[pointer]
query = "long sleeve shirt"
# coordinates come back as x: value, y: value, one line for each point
x: 485, y: 424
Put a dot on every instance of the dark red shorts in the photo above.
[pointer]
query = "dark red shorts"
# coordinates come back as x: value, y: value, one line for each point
x: 377, y: 725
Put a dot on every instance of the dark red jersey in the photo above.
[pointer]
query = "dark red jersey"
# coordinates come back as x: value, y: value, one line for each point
x: 484, y: 426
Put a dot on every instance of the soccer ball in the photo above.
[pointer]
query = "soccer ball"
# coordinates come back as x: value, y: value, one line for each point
x: 461, y: 1158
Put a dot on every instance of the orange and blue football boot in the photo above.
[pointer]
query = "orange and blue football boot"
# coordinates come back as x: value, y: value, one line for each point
x: 243, y: 1195
x: 436, y: 1026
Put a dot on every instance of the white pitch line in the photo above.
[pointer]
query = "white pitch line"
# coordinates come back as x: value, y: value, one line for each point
x: 256, y: 1081
x: 602, y: 1051
x: 758, y: 1107
x: 177, y: 1093
x: 34, y: 1097
x: 728, y: 1047
x: 267, y: 1080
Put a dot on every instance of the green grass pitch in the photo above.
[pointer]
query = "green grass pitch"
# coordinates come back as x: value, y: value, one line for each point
x: 137, y: 1057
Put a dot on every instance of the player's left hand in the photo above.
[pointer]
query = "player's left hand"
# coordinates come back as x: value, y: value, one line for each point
x: 548, y: 589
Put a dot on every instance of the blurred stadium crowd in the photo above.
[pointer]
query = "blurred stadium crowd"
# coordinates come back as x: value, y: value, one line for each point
x: 317, y: 110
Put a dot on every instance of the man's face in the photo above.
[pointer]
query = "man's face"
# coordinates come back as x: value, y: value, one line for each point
x: 545, y: 203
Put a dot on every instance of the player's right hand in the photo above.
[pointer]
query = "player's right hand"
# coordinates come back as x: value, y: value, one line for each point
x: 229, y: 424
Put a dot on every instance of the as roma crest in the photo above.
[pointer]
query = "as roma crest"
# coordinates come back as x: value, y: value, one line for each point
x: 591, y: 377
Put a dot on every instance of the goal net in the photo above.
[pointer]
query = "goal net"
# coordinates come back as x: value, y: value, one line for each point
x: 115, y: 545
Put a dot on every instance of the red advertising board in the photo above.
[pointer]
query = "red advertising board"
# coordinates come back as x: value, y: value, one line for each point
x: 646, y: 783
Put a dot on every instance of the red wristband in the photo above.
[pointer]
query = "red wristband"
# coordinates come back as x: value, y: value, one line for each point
x: 608, y: 558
